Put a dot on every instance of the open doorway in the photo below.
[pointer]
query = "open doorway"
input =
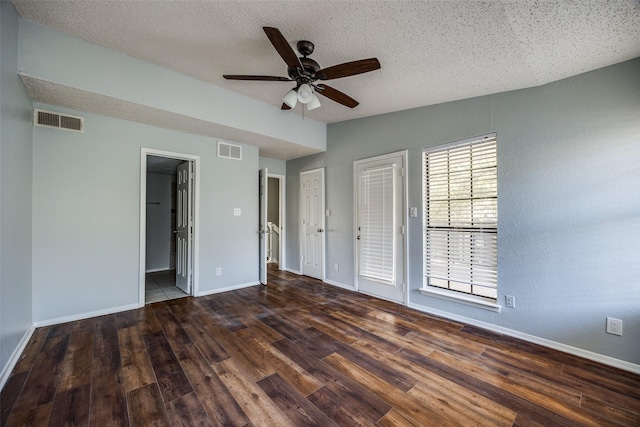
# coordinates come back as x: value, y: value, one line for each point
x: 168, y: 235
x: 275, y: 224
x: 271, y: 223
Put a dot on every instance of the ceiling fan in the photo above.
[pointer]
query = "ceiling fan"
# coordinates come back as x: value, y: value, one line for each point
x: 305, y: 72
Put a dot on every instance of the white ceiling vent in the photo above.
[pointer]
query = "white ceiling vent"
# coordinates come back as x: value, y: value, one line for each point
x: 230, y: 151
x: 50, y: 119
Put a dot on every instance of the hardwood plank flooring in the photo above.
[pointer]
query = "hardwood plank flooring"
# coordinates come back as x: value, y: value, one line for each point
x: 298, y: 352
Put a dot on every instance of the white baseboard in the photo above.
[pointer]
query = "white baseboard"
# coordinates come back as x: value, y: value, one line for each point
x: 596, y: 357
x: 227, y: 289
x: 87, y: 315
x: 291, y: 270
x: 15, y: 356
x: 339, y: 285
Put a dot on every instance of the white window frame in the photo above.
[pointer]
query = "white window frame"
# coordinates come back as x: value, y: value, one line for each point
x: 443, y: 293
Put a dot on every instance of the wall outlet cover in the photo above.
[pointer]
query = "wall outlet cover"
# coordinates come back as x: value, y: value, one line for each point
x: 614, y: 326
x: 510, y: 301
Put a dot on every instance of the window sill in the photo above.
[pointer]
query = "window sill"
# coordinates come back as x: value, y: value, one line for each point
x: 461, y: 298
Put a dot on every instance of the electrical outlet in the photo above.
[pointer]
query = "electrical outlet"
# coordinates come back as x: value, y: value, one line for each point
x: 510, y: 301
x: 336, y: 267
x: 614, y: 326
x: 219, y: 271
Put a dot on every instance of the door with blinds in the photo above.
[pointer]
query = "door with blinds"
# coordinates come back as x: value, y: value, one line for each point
x: 380, y: 226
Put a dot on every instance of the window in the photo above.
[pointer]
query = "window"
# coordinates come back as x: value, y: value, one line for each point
x: 460, y: 200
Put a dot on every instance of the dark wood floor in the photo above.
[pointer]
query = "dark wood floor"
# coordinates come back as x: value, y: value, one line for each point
x: 298, y: 352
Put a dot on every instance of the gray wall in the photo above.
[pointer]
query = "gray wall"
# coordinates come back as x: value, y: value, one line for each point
x: 159, y: 228
x: 273, y: 204
x: 86, y: 218
x: 569, y: 212
x: 275, y: 166
x: 15, y: 193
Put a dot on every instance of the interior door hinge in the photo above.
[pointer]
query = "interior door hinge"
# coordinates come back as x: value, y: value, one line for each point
x: 403, y: 229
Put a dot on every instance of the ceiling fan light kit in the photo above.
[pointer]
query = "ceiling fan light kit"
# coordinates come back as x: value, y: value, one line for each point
x: 291, y: 98
x: 304, y: 93
x: 305, y: 72
x: 315, y: 103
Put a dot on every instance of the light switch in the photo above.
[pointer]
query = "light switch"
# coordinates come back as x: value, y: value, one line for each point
x: 413, y: 212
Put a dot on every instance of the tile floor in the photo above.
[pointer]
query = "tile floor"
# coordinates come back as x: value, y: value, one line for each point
x: 161, y: 286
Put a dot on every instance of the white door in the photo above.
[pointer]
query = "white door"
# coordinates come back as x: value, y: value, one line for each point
x: 184, y: 227
x: 380, y: 226
x: 312, y: 223
x: 262, y: 225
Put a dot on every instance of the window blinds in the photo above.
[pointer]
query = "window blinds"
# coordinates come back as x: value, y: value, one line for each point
x: 460, y: 217
x: 377, y: 224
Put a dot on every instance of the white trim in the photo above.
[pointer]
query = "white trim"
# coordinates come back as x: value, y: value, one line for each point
x: 596, y: 357
x: 15, y: 356
x: 144, y: 152
x: 405, y: 218
x: 227, y: 289
x: 339, y: 285
x: 283, y: 217
x: 461, y: 298
x: 324, y: 222
x: 291, y: 270
x: 87, y: 315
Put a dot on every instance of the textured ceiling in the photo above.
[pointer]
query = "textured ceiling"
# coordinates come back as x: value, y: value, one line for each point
x: 430, y: 51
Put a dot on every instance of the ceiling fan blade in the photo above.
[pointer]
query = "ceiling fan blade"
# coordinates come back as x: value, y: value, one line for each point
x: 256, y: 78
x: 336, y: 95
x: 285, y: 107
x: 348, y: 69
x: 282, y: 46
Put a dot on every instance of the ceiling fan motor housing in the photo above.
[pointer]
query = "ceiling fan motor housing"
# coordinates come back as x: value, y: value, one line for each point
x: 305, y: 47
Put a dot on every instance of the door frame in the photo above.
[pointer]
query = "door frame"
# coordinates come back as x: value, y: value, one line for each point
x: 195, y: 253
x: 282, y: 210
x: 405, y: 219
x: 263, y: 215
x: 324, y: 222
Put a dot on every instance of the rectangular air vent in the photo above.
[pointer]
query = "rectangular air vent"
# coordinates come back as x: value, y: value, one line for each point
x: 50, y: 119
x: 230, y: 151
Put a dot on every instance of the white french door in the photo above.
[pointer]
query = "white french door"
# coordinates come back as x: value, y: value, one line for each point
x: 184, y: 227
x: 312, y: 223
x: 380, y: 226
